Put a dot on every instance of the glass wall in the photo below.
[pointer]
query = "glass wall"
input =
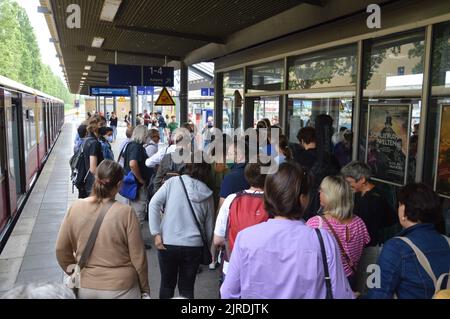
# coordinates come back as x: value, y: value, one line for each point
x: 333, y: 73
x: 391, y: 104
x: 266, y: 77
x: 437, y: 146
x: 233, y: 92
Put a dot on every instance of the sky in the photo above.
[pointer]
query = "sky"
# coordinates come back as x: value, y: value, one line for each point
x: 48, y: 51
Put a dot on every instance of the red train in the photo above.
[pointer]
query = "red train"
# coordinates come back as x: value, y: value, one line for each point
x: 30, y: 122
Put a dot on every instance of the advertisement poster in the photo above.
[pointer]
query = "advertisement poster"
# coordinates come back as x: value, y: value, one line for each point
x: 443, y: 165
x: 388, y: 141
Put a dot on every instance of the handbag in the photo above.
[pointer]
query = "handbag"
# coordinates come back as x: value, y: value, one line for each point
x: 206, y: 253
x: 129, y: 187
x: 75, y: 278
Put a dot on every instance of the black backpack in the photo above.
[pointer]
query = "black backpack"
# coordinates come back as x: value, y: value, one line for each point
x: 78, y: 168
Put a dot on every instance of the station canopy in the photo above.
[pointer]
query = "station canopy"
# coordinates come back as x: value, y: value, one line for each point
x: 142, y: 32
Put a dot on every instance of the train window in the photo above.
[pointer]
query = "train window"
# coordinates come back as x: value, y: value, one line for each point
x: 32, y: 124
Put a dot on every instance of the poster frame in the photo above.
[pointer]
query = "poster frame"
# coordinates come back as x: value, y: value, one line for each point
x: 408, y: 136
x: 436, y: 166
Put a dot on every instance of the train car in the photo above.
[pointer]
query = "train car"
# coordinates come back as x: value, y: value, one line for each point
x: 30, y: 123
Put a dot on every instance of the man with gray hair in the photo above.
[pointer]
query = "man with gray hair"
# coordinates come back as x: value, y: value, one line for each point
x: 370, y: 205
x: 39, y: 291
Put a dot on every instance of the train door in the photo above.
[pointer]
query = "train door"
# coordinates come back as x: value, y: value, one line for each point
x: 14, y: 144
x: 4, y: 201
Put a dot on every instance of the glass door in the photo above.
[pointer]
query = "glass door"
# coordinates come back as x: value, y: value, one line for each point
x: 16, y: 178
x: 267, y: 107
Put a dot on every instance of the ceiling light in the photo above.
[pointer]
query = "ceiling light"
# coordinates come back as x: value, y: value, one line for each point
x: 83, y: 78
x: 91, y: 58
x: 97, y: 42
x: 109, y: 11
x: 87, y: 67
x: 85, y: 74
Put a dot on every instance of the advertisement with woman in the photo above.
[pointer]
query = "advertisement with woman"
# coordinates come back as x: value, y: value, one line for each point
x: 388, y: 140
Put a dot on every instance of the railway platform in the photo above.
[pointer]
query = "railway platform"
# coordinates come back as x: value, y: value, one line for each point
x: 29, y: 255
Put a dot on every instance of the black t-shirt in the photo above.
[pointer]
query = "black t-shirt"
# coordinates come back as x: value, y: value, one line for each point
x: 92, y: 147
x: 113, y: 122
x: 136, y: 152
x: 376, y: 213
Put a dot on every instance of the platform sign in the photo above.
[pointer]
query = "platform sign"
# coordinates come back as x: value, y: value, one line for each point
x: 141, y: 90
x: 77, y: 103
x: 109, y: 91
x: 207, y: 92
x: 204, y: 92
x: 149, y: 90
x: 130, y: 75
x: 165, y: 98
x: 158, y: 76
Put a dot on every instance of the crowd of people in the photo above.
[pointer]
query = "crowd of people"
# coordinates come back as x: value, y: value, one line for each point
x: 307, y: 231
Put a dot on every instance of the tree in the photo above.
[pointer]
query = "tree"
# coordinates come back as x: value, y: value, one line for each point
x: 20, y: 57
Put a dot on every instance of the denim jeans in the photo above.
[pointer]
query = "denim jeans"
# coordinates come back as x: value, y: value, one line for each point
x: 161, y: 134
x: 178, y: 264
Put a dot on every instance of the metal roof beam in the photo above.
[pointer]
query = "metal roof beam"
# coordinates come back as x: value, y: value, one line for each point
x: 203, y: 74
x: 319, y: 3
x: 175, y: 34
x: 134, y: 53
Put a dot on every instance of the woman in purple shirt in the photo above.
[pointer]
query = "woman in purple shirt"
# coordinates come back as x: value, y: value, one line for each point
x: 281, y: 258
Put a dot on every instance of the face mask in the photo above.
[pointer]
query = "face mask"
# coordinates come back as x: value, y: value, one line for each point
x: 109, y: 138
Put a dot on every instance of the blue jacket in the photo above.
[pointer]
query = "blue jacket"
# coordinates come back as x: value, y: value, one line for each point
x: 401, y: 272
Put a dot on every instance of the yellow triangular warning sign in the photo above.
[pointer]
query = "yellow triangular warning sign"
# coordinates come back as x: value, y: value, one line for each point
x: 164, y: 98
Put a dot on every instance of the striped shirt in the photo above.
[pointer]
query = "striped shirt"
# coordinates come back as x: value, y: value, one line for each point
x: 353, y: 236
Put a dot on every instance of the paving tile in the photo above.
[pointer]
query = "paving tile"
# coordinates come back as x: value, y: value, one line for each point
x: 53, y: 274
x: 24, y: 226
x: 15, y: 247
x: 53, y: 206
x: 39, y: 262
x: 40, y: 248
x: 43, y: 237
x: 47, y: 228
x: 10, y: 265
x: 7, y: 281
x: 49, y: 218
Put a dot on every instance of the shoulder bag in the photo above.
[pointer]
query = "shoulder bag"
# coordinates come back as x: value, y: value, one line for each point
x: 75, y: 277
x: 206, y: 253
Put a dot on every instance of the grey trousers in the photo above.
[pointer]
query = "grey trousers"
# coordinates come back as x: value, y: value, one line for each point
x: 140, y: 204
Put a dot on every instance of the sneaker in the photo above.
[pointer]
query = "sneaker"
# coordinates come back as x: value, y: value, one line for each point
x: 212, y: 266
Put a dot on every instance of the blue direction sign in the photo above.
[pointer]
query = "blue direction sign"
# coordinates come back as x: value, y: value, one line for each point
x: 149, y: 90
x: 125, y: 75
x: 158, y: 76
x: 109, y: 91
x: 145, y: 90
x: 207, y: 91
x: 141, y: 90
x: 204, y: 91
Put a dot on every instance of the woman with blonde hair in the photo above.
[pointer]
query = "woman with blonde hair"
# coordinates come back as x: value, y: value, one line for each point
x: 348, y: 230
x: 116, y: 266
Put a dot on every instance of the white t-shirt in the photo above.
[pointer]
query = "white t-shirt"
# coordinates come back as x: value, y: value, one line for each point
x: 222, y: 219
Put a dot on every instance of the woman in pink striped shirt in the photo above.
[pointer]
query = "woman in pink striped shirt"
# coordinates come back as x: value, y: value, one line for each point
x: 348, y: 230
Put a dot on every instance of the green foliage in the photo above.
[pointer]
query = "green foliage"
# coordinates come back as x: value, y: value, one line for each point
x: 20, y: 57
